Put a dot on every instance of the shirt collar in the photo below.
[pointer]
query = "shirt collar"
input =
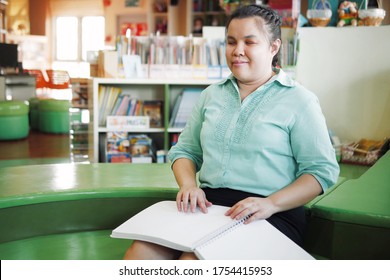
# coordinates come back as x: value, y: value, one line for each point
x: 281, y: 77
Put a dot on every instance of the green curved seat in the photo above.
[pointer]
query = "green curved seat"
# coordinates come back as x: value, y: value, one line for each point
x: 84, y: 245
x: 353, y: 221
x: 57, y: 211
x: 67, y: 211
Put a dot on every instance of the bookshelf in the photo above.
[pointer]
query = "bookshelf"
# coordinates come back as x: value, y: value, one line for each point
x: 166, y: 90
x: 149, y: 17
x: 210, y: 12
x: 179, y: 18
x: 159, y: 16
x: 174, y: 18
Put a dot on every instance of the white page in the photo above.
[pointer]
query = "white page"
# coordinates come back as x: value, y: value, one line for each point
x: 258, y: 240
x: 163, y: 224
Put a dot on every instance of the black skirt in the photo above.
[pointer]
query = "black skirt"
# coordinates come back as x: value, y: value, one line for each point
x: 291, y: 222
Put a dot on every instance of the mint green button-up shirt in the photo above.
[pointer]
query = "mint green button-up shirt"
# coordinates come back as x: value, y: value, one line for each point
x: 261, y: 144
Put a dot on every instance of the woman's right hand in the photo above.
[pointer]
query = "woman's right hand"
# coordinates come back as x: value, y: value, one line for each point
x: 191, y: 197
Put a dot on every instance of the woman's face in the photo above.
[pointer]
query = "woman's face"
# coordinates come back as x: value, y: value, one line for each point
x: 249, y: 52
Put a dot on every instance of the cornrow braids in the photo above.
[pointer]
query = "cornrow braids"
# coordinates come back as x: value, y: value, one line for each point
x: 271, y: 19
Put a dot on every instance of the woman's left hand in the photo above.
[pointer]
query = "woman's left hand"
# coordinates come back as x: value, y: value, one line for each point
x: 257, y: 207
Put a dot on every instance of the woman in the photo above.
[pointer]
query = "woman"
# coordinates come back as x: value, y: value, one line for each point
x: 258, y: 139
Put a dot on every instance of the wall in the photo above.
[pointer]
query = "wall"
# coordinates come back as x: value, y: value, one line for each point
x: 76, y: 7
x: 349, y: 70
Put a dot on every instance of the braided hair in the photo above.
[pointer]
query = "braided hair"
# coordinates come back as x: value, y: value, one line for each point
x: 271, y: 20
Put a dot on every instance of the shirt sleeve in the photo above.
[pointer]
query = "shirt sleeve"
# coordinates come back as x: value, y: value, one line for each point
x: 189, y: 144
x: 312, y: 147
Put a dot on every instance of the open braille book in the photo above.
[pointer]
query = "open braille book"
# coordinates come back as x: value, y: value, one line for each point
x: 212, y: 236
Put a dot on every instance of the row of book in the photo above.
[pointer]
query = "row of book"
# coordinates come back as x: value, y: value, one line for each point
x: 107, y: 96
x: 126, y: 147
x: 112, y: 102
x: 180, y: 50
x: 289, y: 51
x: 180, y: 57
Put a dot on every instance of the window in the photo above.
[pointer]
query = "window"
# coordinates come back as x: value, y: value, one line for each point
x: 74, y: 38
x: 67, y: 39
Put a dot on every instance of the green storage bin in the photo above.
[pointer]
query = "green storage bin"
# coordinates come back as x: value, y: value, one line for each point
x: 53, y: 116
x: 13, y: 120
x: 33, y: 113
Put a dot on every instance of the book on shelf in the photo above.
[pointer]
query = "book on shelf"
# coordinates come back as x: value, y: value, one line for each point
x: 210, y: 236
x: 174, y: 138
x: 213, y: 52
x: 118, y: 158
x: 124, y: 147
x: 127, y: 112
x: 175, y: 110
x: 107, y: 97
x: 197, y: 6
x: 183, y: 106
x: 141, y: 150
x: 120, y: 108
x: 289, y: 51
x: 164, y: 56
x: 212, y: 6
x: 124, y: 106
x: 131, y: 107
x: 117, y: 147
x: 153, y: 109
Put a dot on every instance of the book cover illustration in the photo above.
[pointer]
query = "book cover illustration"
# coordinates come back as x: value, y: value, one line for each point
x: 117, y: 147
x: 153, y: 109
x: 140, y: 148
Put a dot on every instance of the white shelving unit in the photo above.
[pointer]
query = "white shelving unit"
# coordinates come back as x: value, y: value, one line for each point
x: 145, y: 89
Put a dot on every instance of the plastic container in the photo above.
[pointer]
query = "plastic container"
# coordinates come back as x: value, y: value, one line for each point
x: 371, y: 17
x: 319, y: 17
x: 54, y: 116
x: 33, y: 113
x: 13, y: 120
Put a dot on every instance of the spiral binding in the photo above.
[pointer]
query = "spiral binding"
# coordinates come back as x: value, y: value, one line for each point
x: 219, y: 233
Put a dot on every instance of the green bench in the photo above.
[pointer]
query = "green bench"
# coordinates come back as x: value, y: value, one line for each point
x: 353, y: 220
x: 67, y: 211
